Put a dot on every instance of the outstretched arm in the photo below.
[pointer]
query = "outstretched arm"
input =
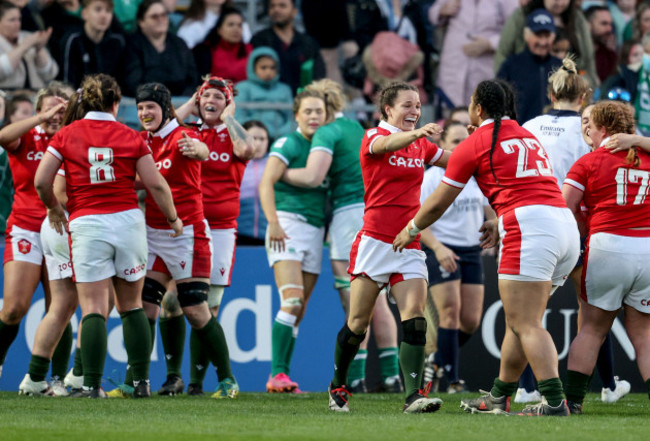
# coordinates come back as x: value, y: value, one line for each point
x: 399, y: 140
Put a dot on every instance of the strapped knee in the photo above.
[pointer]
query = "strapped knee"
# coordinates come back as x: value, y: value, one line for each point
x: 192, y: 293
x: 348, y: 338
x: 153, y: 291
x: 215, y: 294
x: 415, y: 331
x: 290, y: 302
x: 342, y: 282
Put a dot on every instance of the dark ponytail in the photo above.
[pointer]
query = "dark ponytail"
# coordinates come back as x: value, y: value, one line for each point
x: 496, y: 99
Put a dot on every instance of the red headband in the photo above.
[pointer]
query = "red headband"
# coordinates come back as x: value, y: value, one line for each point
x: 218, y: 83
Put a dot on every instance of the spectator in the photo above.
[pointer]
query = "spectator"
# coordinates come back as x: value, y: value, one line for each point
x: 175, y: 17
x: 528, y: 71
x: 561, y: 45
x: 626, y: 75
x: 637, y: 28
x: 155, y: 55
x: 30, y: 18
x: 567, y: 16
x: 201, y: 17
x: 263, y: 86
x: 602, y: 35
x: 300, y: 59
x: 25, y: 63
x: 95, y: 49
x: 251, y: 223
x: 223, y: 53
x: 473, y: 32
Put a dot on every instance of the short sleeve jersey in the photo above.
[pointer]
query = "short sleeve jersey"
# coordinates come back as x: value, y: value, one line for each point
x: 99, y: 155
x: 521, y: 165
x: 342, y: 138
x: 559, y: 132
x: 221, y: 176
x: 309, y: 203
x: 615, y: 192
x: 27, y: 211
x: 392, y: 181
x: 183, y: 175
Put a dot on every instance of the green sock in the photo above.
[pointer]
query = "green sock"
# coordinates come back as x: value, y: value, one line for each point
x: 347, y: 346
x: 199, y: 359
x: 38, y: 367
x: 357, y: 369
x: 214, y: 343
x: 551, y: 389
x: 502, y: 388
x: 647, y: 384
x: 61, y: 356
x: 388, y: 362
x: 77, y: 367
x: 137, y: 342
x: 93, y: 349
x: 172, y: 334
x: 411, y: 360
x: 282, y: 342
x: 7, y: 336
x: 577, y: 384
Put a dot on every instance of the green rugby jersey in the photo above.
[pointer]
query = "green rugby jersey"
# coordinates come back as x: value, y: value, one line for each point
x: 293, y: 150
x: 342, y: 139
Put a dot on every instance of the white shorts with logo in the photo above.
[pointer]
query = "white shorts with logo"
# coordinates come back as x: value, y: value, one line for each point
x: 107, y: 245
x: 223, y: 256
x: 377, y: 261
x: 617, y: 271
x: 538, y: 243
x: 188, y: 255
x: 305, y: 243
x: 346, y: 223
x: 56, y: 249
x: 23, y: 246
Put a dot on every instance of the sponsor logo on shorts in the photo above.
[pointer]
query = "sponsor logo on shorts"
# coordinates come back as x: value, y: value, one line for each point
x: 34, y: 156
x: 183, y: 263
x: 134, y: 270
x: 399, y: 161
x: 24, y: 246
x: 65, y: 266
x: 645, y: 302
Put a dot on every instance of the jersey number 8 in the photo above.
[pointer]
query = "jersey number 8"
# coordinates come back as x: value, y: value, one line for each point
x: 100, y: 159
x: 525, y: 145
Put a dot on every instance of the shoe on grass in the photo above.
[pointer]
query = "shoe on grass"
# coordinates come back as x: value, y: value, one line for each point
x: 34, y: 388
x: 172, y: 386
x: 486, y: 403
x: 338, y: 398
x: 228, y: 388
x: 612, y: 396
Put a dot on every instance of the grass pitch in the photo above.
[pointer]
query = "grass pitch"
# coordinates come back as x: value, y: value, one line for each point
x: 258, y: 416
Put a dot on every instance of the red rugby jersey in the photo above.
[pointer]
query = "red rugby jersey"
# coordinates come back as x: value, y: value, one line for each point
x: 520, y: 164
x: 183, y: 175
x: 221, y: 177
x: 27, y: 211
x: 99, y: 155
x: 392, y: 182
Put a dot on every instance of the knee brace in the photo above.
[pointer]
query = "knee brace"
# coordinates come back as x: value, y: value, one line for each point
x: 342, y: 282
x: 215, y: 294
x: 414, y: 331
x: 347, y: 338
x: 192, y: 293
x: 153, y: 291
x: 290, y: 302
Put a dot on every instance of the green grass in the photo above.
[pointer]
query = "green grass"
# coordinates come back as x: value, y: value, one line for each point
x: 257, y: 416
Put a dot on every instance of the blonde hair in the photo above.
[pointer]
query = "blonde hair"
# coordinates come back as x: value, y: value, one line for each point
x: 306, y: 94
x: 97, y: 93
x: 332, y: 94
x: 55, y: 88
x: 565, y: 83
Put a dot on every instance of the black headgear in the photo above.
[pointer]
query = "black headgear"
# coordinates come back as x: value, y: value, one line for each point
x: 160, y: 95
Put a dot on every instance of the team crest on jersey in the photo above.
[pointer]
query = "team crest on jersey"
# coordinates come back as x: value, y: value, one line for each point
x: 24, y: 246
x: 222, y: 136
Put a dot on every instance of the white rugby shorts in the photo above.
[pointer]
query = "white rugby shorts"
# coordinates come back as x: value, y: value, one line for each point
x: 617, y: 270
x: 223, y: 256
x: 346, y: 223
x: 23, y: 246
x: 56, y: 249
x: 538, y: 243
x: 107, y: 245
x: 305, y: 243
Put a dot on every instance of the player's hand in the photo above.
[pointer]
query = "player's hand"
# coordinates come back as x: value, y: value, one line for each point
x: 471, y: 128
x: 402, y: 240
x: 446, y: 258
x: 277, y: 237
x: 229, y: 110
x: 191, y: 147
x: 50, y: 113
x: 57, y: 219
x: 490, y: 236
x: 177, y: 226
x: 620, y: 142
x: 430, y: 129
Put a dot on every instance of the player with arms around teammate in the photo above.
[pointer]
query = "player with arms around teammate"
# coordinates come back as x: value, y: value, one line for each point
x: 540, y: 241
x: 294, y: 236
x: 393, y: 156
x: 230, y: 148
x: 25, y: 142
x: 107, y: 229
x: 334, y: 153
x: 615, y: 275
